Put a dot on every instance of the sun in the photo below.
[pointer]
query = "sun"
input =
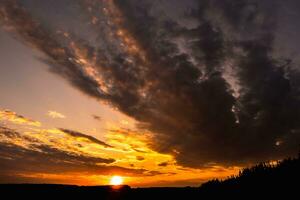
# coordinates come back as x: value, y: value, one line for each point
x: 116, y: 180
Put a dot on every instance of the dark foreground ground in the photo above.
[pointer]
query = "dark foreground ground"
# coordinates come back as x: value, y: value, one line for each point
x: 261, y: 181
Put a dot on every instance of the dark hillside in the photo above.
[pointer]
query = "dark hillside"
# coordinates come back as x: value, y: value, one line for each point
x: 264, y: 178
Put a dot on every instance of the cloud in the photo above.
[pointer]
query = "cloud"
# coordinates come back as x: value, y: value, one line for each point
x: 68, y: 156
x: 38, y: 152
x: 76, y: 134
x: 7, y: 115
x: 24, y: 157
x: 163, y: 164
x: 211, y: 94
x: 55, y: 115
x: 140, y: 158
x: 129, y: 140
x: 10, y: 137
x: 96, y: 117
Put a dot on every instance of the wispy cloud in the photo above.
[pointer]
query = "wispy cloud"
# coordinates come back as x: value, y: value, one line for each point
x: 96, y: 117
x: 55, y: 114
x: 79, y: 135
x: 7, y: 115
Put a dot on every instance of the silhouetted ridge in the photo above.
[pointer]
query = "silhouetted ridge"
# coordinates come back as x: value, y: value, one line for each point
x: 264, y: 178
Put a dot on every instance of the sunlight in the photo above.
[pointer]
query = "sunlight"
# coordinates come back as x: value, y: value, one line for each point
x: 116, y: 180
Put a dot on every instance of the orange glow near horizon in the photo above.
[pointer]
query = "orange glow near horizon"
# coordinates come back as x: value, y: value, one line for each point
x: 131, y: 150
x: 134, y: 158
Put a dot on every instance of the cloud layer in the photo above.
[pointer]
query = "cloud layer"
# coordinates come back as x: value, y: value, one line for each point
x: 209, y: 93
x: 41, y: 155
x: 10, y: 116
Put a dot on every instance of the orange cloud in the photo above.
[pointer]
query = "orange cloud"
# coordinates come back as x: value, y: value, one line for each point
x: 7, y: 115
x: 63, y: 156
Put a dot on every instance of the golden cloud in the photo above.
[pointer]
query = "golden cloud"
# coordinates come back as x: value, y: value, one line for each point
x: 7, y: 115
x: 63, y: 155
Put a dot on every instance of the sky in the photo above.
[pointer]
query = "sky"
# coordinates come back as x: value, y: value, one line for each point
x: 162, y: 93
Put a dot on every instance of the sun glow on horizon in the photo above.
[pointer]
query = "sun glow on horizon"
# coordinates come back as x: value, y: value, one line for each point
x: 116, y: 180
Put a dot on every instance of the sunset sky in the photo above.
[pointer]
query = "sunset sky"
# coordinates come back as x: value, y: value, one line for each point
x: 161, y: 93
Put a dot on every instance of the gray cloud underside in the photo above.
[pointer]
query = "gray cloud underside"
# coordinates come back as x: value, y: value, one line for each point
x: 214, y: 93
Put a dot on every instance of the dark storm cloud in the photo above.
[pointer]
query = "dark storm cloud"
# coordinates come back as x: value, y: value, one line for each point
x: 77, y: 134
x: 193, y: 108
x: 16, y: 19
x: 211, y: 94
